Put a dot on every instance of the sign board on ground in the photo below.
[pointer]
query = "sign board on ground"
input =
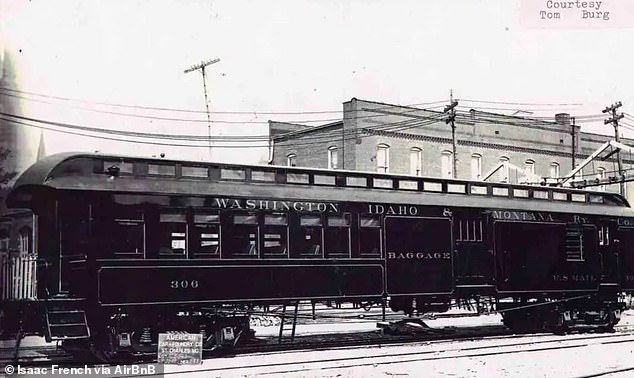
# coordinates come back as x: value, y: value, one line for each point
x: 180, y: 348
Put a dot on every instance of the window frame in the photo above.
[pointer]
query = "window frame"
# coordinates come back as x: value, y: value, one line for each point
x: 529, y: 170
x: 554, y: 166
x: 383, y: 153
x: 333, y: 157
x: 378, y: 227
x: 446, y: 164
x: 476, y: 169
x: 291, y: 160
x: 264, y: 232
x: 416, y: 161
x: 299, y: 232
x: 173, y: 211
x: 194, y: 251
x: 505, y: 172
x: 347, y: 225
x: 601, y: 175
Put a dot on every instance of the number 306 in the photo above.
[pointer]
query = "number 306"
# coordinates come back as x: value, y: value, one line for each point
x: 183, y: 284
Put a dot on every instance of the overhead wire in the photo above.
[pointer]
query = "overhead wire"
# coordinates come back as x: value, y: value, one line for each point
x: 298, y: 122
x: 396, y: 126
x: 307, y: 140
x: 519, y: 103
x: 200, y: 111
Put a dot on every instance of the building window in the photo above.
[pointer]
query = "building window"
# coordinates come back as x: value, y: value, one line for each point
x: 554, y: 170
x: 383, y: 158
x: 601, y: 176
x: 476, y: 166
x: 291, y: 160
x: 416, y: 161
x: 529, y: 170
x: 446, y: 165
x: 333, y: 159
x: 579, y: 175
x: 504, y: 170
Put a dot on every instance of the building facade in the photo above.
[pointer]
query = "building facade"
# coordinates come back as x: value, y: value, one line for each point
x: 396, y: 139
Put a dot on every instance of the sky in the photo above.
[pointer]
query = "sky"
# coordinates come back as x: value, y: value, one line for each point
x: 299, y: 56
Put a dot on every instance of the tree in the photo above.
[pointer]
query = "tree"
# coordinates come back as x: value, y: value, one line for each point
x: 6, y: 177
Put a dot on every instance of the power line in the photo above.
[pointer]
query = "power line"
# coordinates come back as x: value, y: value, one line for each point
x: 306, y: 140
x: 519, y: 103
x: 298, y: 122
x: 123, y: 140
x: 123, y: 132
x: 194, y: 111
x: 614, y: 120
x: 315, y: 140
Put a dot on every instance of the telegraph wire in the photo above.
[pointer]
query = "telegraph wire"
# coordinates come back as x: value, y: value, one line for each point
x: 519, y: 103
x: 190, y: 137
x: 316, y: 140
x: 124, y: 140
x: 305, y: 140
x: 308, y: 140
x: 298, y: 122
x: 191, y: 110
x: 124, y: 132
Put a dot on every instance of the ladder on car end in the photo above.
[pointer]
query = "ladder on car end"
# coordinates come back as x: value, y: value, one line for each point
x: 288, y: 321
x: 66, y: 319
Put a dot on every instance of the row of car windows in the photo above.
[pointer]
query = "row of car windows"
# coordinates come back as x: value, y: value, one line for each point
x: 247, y: 235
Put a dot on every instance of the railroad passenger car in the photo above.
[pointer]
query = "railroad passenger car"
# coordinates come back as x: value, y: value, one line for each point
x: 130, y: 247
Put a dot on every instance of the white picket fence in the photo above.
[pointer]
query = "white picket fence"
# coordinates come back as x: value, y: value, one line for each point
x: 18, y: 277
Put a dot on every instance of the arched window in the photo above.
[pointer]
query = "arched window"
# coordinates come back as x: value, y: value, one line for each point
x: 529, y: 170
x: 333, y: 158
x: 291, y: 160
x: 416, y: 161
x: 446, y: 164
x: 476, y: 166
x: 554, y: 170
x: 601, y: 176
x: 504, y: 170
x: 383, y: 158
x: 579, y: 175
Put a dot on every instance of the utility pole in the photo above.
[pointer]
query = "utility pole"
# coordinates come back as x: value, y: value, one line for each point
x: 614, y: 120
x: 574, y: 140
x: 451, y: 108
x: 201, y: 66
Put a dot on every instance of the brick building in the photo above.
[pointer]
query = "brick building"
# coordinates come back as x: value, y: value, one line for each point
x: 381, y: 137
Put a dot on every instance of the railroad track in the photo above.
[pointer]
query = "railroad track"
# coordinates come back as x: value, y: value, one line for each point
x: 337, y: 341
x: 35, y: 355
x: 306, y: 364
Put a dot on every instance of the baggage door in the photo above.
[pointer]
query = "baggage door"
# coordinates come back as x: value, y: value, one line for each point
x: 418, y: 255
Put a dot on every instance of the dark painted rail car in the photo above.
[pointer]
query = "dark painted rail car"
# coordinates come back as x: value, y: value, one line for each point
x: 127, y: 236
